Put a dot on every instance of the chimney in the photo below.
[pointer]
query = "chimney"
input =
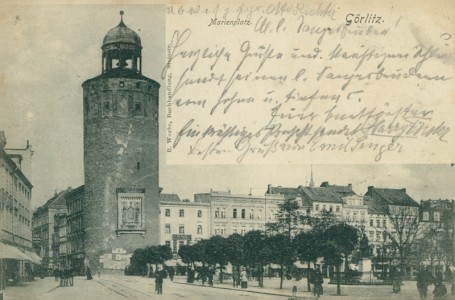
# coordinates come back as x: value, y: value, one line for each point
x: 370, y: 191
x: 269, y: 188
x: 350, y: 186
x: 403, y: 190
x: 160, y: 190
x: 325, y: 184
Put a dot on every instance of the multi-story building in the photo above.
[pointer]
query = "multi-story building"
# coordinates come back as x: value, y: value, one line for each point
x: 230, y: 213
x: 183, y: 222
x: 437, y: 218
x: 15, y: 212
x: 393, y: 213
x: 43, y: 228
x: 75, y: 229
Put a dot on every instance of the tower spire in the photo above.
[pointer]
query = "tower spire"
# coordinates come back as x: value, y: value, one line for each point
x: 311, y: 180
x: 121, y: 16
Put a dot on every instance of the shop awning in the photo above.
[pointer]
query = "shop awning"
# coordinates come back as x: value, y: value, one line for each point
x: 11, y: 252
x: 34, y: 258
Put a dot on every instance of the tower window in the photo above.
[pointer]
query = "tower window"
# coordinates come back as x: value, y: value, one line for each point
x: 138, y: 166
x: 138, y: 85
x: 122, y: 84
x: 137, y: 106
x: 107, y: 105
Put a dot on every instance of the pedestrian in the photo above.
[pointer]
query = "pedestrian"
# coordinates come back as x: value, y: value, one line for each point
x: 210, y: 275
x: 440, y: 290
x: 71, y: 275
x: 395, y: 275
x: 424, y: 279
x: 88, y: 273
x: 244, y: 279
x: 159, y: 283
x: 237, y: 278
x: 61, y: 273
x: 171, y: 273
x: 203, y: 275
x: 317, y: 280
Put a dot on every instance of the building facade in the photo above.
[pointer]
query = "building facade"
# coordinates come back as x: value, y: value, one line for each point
x: 15, y: 213
x: 75, y: 229
x: 231, y: 213
x: 120, y: 107
x: 44, y: 226
x: 183, y: 222
x: 59, y: 240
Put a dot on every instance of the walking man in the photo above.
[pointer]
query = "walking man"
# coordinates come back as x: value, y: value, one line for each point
x: 424, y: 279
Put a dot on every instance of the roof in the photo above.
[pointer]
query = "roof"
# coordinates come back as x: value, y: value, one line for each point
x: 397, y: 197
x: 7, y: 158
x: 121, y: 34
x: 374, y: 207
x: 169, y: 198
x: 57, y: 200
x: 319, y: 194
x: 203, y: 197
x: 288, y: 193
x: 75, y: 193
x: 345, y: 190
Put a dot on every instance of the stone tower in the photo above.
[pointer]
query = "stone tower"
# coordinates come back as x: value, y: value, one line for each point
x: 121, y: 201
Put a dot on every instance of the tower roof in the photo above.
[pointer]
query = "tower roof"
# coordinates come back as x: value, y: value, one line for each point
x: 121, y: 34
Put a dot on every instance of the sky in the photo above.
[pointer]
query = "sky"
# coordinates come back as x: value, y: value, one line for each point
x: 48, y: 51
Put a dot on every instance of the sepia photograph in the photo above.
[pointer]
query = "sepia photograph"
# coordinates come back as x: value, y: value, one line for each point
x: 227, y: 150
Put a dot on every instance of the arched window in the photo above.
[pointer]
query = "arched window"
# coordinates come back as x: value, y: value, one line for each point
x: 234, y: 213
x: 217, y: 213
x: 252, y: 214
x: 199, y: 213
x: 223, y: 213
x: 199, y: 229
x: 243, y: 213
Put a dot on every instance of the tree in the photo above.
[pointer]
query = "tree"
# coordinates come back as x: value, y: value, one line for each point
x: 282, y: 232
x: 288, y: 219
x: 340, y: 240
x: 281, y: 252
x: 185, y: 254
x: 308, y: 246
x: 435, y: 247
x: 235, y: 249
x: 320, y: 223
x: 256, y: 252
x: 404, y: 231
x: 216, y: 253
x: 138, y: 262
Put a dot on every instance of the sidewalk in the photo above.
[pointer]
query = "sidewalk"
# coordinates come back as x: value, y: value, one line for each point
x: 29, y: 290
x: 359, y: 292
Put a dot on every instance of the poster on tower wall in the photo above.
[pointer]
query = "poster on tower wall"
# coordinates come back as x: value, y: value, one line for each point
x: 291, y: 82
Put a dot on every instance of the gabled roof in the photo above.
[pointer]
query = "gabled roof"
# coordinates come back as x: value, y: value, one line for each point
x: 169, y: 198
x: 397, y: 197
